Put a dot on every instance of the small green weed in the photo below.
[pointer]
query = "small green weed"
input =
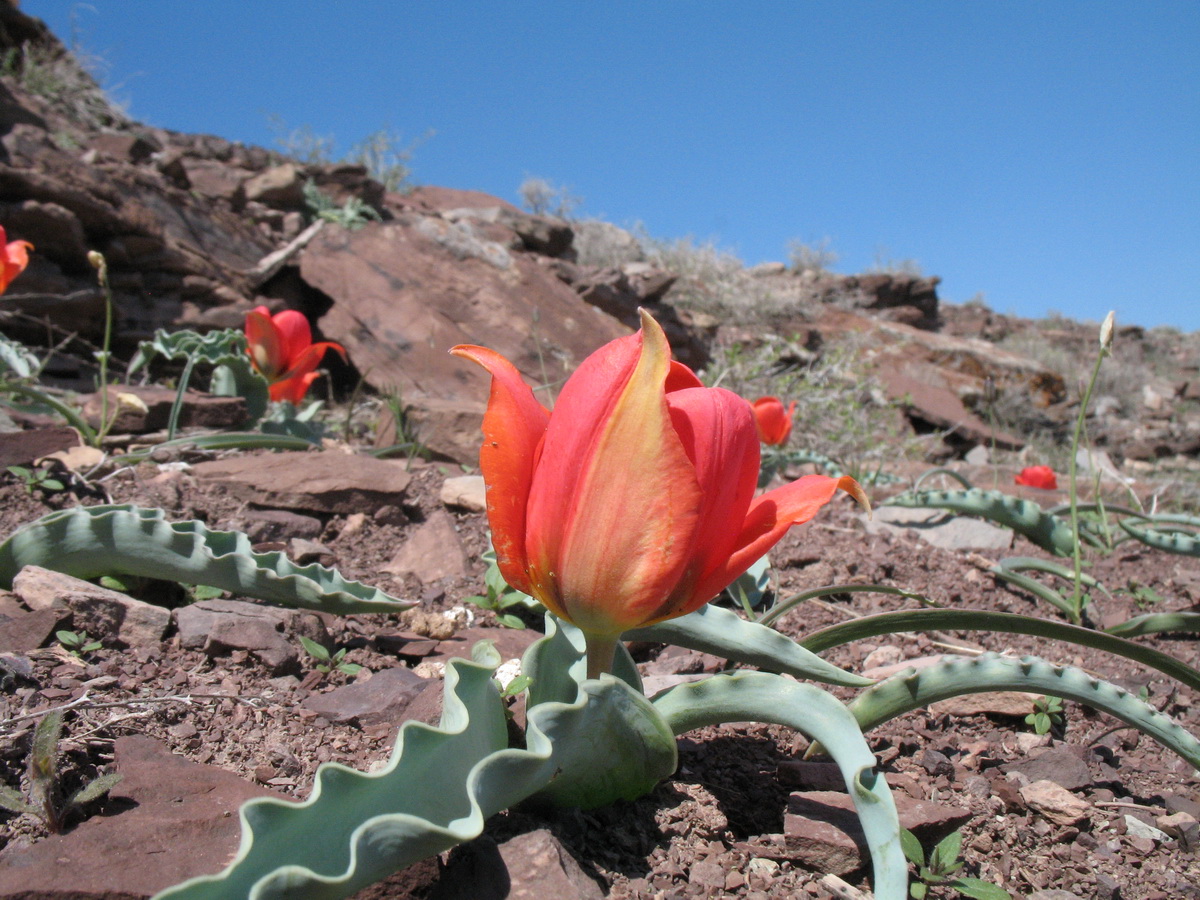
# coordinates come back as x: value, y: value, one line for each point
x: 351, y: 215
x: 78, y: 643
x: 45, y: 788
x: 326, y: 662
x: 942, y: 868
x: 37, y: 480
x: 1047, y: 715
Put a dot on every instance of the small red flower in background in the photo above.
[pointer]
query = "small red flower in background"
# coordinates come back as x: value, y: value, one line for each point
x: 281, y: 349
x: 774, y: 423
x: 1038, y: 477
x: 14, y: 257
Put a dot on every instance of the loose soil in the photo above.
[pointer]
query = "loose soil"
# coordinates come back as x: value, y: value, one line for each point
x: 727, y: 802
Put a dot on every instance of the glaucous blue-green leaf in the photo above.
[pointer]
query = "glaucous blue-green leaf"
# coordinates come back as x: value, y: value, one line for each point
x: 954, y: 676
x: 762, y: 697
x: 720, y: 632
x: 91, y: 541
x: 442, y: 784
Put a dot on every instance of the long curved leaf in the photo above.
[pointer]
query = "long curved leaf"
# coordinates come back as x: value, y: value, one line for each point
x: 711, y: 629
x: 954, y: 676
x: 1158, y: 623
x: 820, y: 716
x: 906, y: 620
x: 1023, y: 516
x: 90, y: 541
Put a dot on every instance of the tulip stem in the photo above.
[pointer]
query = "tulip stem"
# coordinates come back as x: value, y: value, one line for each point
x: 600, y: 651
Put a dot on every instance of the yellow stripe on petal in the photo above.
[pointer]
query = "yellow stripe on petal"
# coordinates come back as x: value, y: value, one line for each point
x: 636, y: 508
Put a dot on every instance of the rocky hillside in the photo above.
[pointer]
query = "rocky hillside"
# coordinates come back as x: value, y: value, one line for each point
x: 197, y: 230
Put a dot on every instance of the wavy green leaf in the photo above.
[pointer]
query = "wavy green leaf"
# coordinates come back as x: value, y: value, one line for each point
x: 1023, y: 516
x: 440, y: 786
x: 1157, y: 623
x: 907, y: 620
x: 820, y: 716
x: 225, y: 350
x: 720, y: 632
x: 954, y: 676
x: 91, y: 541
x: 1185, y: 543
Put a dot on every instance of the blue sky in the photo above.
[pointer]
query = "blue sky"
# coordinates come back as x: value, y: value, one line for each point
x: 1046, y: 154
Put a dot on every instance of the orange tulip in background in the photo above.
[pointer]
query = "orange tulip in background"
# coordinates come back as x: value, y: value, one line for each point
x: 774, y: 423
x: 14, y: 257
x: 1038, y: 477
x: 282, y: 350
x: 633, y: 501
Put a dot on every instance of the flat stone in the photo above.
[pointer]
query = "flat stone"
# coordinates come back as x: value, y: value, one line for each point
x: 1059, y: 765
x: 465, y: 492
x: 325, y: 481
x: 1017, y: 704
x: 162, y: 804
x: 31, y: 630
x: 822, y: 830
x: 220, y: 626
x: 261, y: 525
x: 104, y: 614
x: 1055, y: 803
x: 529, y: 866
x: 936, y: 528
x: 153, y: 413
x: 431, y: 552
x: 380, y: 699
x: 21, y: 448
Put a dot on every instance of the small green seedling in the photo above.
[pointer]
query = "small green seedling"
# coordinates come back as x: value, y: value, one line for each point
x: 327, y: 662
x: 1047, y: 715
x: 500, y: 595
x: 941, y: 869
x: 45, y: 790
x: 37, y: 480
x: 77, y: 643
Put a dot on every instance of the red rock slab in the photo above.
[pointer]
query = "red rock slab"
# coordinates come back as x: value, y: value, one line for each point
x: 324, y: 482
x: 183, y: 822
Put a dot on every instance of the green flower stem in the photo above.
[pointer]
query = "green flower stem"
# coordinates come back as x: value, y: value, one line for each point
x: 600, y: 651
x: 102, y: 276
x: 1072, y: 471
x: 177, y: 406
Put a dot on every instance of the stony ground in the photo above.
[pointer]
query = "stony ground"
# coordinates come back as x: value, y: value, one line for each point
x: 741, y: 817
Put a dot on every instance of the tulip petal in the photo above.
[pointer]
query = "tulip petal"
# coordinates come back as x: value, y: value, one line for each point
x: 615, y: 502
x: 717, y: 429
x: 264, y: 343
x: 292, y: 389
x: 295, y: 335
x: 769, y: 518
x: 513, y: 427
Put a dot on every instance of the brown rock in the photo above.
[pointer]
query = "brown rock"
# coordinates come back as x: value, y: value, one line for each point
x: 104, y: 614
x: 822, y: 829
x: 401, y: 299
x: 20, y: 448
x: 165, y: 803
x: 280, y: 186
x: 380, y: 699
x: 1056, y: 803
x: 324, y: 481
x: 29, y: 631
x: 199, y: 410
x: 533, y: 865
x: 433, y: 551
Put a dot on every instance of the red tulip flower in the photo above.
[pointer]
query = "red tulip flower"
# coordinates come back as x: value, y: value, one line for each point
x: 633, y: 501
x: 1038, y: 477
x: 774, y: 423
x: 282, y: 350
x: 14, y: 257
